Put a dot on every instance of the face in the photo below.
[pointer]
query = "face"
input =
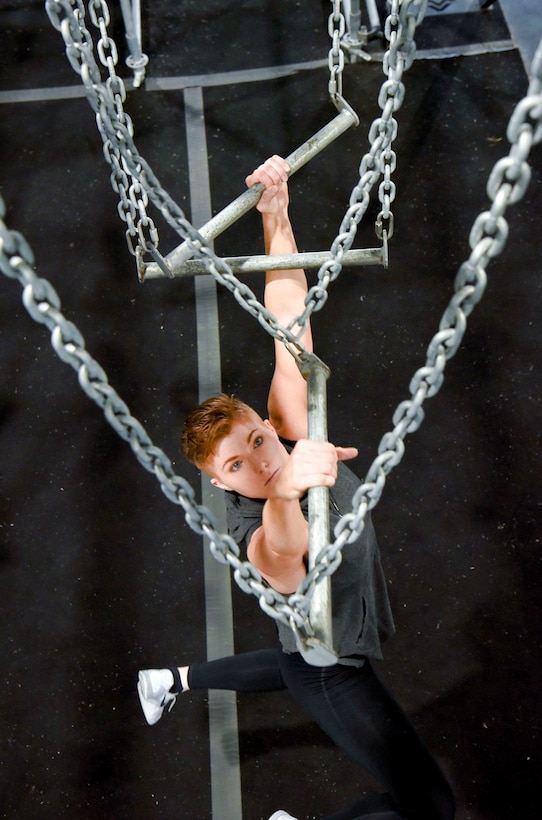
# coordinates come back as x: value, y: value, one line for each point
x: 248, y: 459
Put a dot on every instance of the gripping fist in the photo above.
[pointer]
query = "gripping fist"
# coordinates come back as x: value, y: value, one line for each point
x: 273, y: 175
x: 310, y: 464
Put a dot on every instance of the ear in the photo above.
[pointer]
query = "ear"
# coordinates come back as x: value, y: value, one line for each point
x: 270, y: 426
x: 216, y: 483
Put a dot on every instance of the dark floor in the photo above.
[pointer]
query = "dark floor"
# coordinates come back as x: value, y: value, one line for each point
x: 100, y: 574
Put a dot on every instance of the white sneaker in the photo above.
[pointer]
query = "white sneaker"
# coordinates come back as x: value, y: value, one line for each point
x: 153, y: 688
x: 281, y: 815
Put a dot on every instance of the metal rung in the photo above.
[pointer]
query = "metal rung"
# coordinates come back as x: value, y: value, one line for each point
x: 240, y: 206
x: 260, y: 264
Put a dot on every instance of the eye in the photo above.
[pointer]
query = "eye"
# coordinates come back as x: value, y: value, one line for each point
x: 235, y: 466
x: 258, y: 441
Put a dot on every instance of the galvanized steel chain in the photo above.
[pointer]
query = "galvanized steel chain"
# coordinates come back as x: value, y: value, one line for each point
x: 506, y: 185
x: 380, y: 160
x: 131, y: 177
x: 43, y: 304
x: 400, y: 27
x: 336, y: 29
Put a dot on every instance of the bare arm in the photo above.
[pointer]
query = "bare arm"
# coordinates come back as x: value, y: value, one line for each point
x: 279, y: 547
x: 285, y: 293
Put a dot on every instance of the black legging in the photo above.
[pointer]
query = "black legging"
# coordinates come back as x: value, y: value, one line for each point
x: 358, y: 713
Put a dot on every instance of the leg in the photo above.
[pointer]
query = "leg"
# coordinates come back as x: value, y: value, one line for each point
x: 247, y: 672
x: 354, y: 708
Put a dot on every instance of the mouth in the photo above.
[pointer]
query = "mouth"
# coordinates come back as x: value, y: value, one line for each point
x: 271, y: 477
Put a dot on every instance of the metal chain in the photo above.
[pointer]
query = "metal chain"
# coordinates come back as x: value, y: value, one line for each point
x: 131, y: 177
x: 336, y: 28
x: 506, y: 185
x: 399, y: 30
x: 380, y: 160
x: 43, y: 304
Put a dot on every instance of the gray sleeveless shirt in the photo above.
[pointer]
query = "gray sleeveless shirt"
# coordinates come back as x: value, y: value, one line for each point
x: 362, y: 618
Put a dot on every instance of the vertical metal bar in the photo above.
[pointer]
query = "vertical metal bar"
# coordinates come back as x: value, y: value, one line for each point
x: 374, y: 17
x: 317, y: 373
x: 136, y: 6
x: 131, y: 13
x: 352, y: 14
x: 129, y: 24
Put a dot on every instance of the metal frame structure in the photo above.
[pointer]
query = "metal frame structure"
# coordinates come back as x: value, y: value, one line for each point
x: 135, y: 183
x: 357, y: 35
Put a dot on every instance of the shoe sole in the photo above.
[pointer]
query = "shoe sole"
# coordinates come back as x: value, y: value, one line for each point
x: 152, y: 714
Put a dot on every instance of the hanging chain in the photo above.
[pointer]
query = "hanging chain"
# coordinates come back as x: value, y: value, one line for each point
x: 507, y: 184
x: 380, y: 160
x: 132, y: 174
x: 43, y: 304
x: 336, y: 28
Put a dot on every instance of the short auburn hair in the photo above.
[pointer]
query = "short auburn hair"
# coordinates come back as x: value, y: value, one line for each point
x: 209, y: 423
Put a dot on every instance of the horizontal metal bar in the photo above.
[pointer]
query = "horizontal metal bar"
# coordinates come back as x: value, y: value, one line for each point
x: 260, y: 264
x: 251, y: 75
x: 249, y: 198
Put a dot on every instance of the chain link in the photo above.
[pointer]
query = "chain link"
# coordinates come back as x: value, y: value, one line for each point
x: 336, y: 29
x: 43, y: 304
x: 506, y: 185
x: 380, y: 160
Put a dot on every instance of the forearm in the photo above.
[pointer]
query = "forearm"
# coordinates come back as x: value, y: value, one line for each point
x: 285, y: 293
x: 285, y: 290
x: 285, y: 530
x: 278, y: 233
